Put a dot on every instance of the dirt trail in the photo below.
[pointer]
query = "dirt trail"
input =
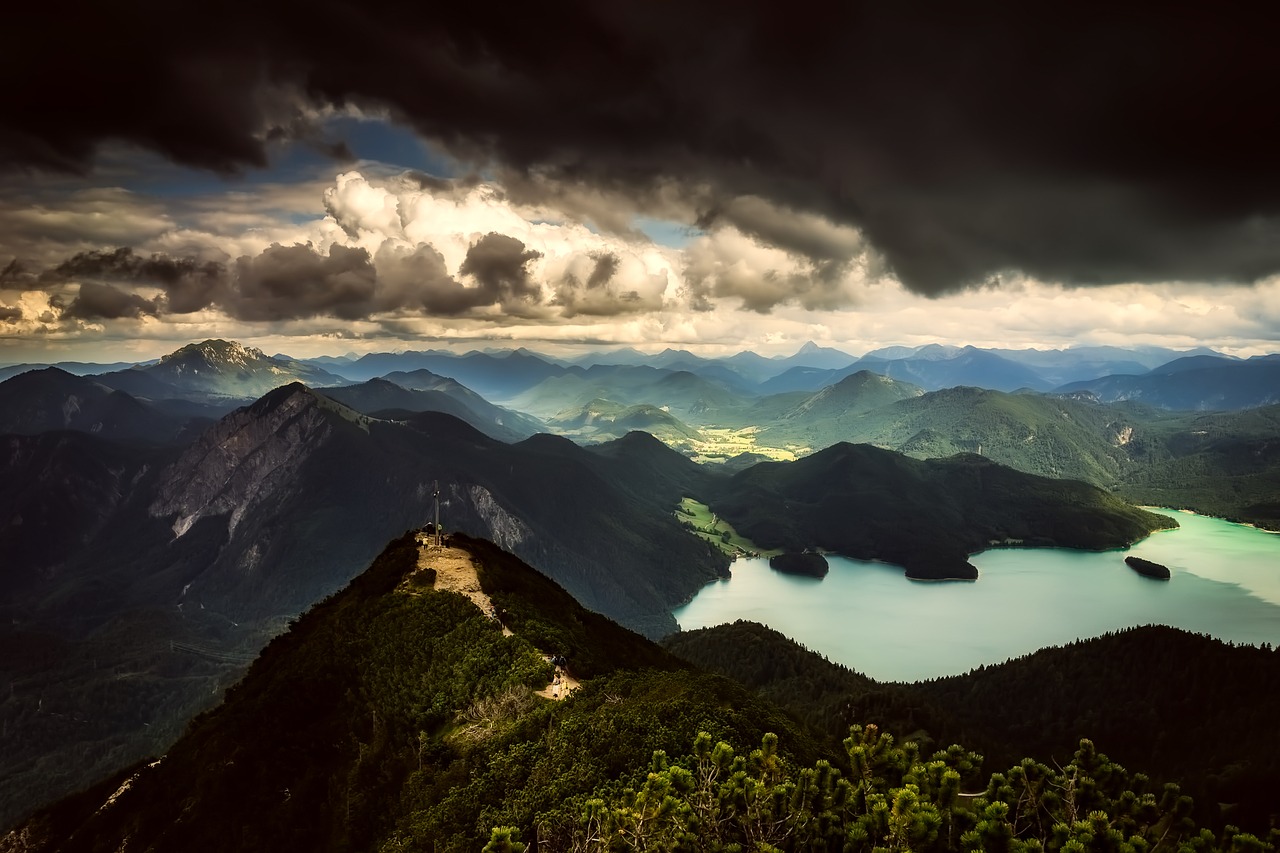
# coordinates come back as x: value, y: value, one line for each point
x: 456, y: 571
x: 561, y: 686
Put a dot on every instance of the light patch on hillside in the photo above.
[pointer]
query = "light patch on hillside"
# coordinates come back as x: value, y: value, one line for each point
x: 718, y: 444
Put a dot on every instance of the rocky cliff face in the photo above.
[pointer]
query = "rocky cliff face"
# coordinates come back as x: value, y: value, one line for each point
x: 250, y: 456
x: 505, y: 529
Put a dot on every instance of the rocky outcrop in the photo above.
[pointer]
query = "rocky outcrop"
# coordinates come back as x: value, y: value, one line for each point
x: 247, y: 457
x: 505, y: 530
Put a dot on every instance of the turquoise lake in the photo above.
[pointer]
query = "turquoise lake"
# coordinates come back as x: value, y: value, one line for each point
x: 869, y: 617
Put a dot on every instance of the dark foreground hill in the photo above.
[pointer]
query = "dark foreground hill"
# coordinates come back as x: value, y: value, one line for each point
x: 392, y: 714
x: 1183, y: 707
x: 138, y: 582
x: 395, y: 717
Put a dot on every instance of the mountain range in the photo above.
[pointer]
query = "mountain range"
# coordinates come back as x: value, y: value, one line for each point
x: 505, y: 376
x: 158, y: 529
x: 1200, y: 379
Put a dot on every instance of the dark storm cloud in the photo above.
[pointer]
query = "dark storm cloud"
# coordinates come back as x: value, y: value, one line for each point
x: 16, y: 275
x: 500, y: 264
x: 104, y: 302
x: 606, y: 265
x: 288, y: 282
x: 801, y: 233
x: 1089, y: 142
x: 10, y: 313
x: 189, y: 284
x: 298, y: 282
x: 451, y: 188
x: 419, y: 280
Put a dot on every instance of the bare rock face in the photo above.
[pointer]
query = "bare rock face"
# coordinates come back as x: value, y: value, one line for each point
x: 249, y: 456
x: 505, y: 530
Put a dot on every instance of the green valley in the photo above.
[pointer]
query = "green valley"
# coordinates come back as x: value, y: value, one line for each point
x: 709, y: 526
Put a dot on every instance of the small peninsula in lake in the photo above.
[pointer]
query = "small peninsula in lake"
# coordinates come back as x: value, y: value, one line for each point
x: 1148, y: 569
x: 809, y: 563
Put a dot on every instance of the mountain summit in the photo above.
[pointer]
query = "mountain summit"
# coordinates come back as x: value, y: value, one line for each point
x: 232, y: 369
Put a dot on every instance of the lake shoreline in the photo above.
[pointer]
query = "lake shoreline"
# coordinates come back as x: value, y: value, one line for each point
x: 1030, y: 598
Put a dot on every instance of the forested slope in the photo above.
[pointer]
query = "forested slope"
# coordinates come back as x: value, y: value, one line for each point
x: 928, y: 516
x: 1180, y: 706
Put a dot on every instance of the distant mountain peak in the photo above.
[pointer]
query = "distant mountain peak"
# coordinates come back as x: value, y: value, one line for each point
x: 862, y: 377
x: 218, y: 351
x: 230, y: 368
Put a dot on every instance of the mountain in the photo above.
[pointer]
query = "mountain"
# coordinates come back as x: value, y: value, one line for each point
x: 801, y: 378
x: 1165, y: 685
x: 425, y: 392
x: 397, y: 714
x: 752, y: 366
x: 856, y: 394
x: 601, y: 420
x: 1076, y: 364
x: 58, y: 490
x: 926, y: 516
x: 324, y: 464
x: 76, y: 368
x: 623, y: 355
x: 385, y: 712
x: 1224, y: 463
x: 1038, y: 434
x: 52, y: 399
x: 620, y: 384
x: 173, y: 565
x: 934, y: 367
x: 1192, y: 362
x: 425, y: 380
x: 332, y: 363
x: 714, y: 371
x: 695, y: 399
x: 1058, y: 367
x: 282, y: 482
x: 494, y: 376
x: 230, y: 369
x: 691, y: 398
x: 932, y: 370
x: 1195, y: 383
x: 812, y: 355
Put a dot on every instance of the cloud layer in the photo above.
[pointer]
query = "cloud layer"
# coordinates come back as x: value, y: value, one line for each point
x: 391, y: 261
x: 1085, y: 144
x: 386, y: 250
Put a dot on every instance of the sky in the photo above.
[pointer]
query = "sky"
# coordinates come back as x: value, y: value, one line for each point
x: 337, y: 177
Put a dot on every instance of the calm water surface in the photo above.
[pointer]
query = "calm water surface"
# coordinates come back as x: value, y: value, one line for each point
x: 868, y: 616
